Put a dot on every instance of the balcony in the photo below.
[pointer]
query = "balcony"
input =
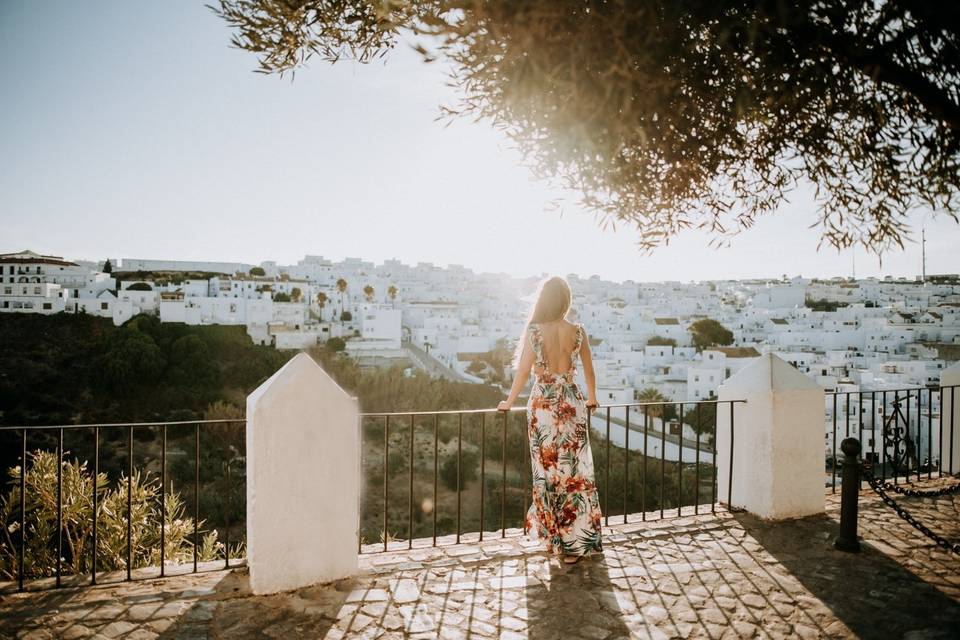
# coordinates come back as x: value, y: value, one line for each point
x: 709, y: 576
x: 678, y: 561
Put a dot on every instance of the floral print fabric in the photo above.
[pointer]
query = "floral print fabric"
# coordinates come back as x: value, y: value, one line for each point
x: 565, y: 509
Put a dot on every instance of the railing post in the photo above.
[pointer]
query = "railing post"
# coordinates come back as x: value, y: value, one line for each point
x: 950, y: 419
x: 776, y: 469
x: 303, y: 479
x: 849, y: 494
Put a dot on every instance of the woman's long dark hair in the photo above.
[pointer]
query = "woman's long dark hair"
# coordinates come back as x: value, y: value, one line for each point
x: 553, y: 303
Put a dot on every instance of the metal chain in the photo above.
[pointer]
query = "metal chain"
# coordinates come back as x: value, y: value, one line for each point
x: 919, y: 493
x: 880, y: 489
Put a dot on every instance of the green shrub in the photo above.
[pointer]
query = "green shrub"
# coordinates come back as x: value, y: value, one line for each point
x: 40, y: 557
x: 469, y: 461
x: 335, y: 345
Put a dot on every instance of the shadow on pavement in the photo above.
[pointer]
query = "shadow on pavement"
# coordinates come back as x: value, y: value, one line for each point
x: 872, y: 594
x: 228, y: 610
x: 576, y: 601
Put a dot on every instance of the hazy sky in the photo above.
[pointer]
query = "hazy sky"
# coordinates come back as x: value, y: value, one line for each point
x: 131, y: 129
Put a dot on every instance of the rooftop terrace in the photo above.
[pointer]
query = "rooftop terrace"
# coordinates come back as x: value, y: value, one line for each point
x: 721, y: 575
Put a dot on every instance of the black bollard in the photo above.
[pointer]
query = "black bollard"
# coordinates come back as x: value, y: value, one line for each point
x: 849, y: 494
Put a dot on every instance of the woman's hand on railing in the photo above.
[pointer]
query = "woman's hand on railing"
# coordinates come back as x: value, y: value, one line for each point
x: 592, y: 404
x: 503, y: 406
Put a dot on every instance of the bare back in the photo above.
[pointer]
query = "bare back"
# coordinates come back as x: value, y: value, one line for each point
x: 559, y: 343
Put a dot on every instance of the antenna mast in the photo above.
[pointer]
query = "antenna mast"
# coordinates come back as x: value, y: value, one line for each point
x: 923, y: 254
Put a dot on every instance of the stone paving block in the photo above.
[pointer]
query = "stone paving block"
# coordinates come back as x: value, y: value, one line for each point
x: 405, y: 590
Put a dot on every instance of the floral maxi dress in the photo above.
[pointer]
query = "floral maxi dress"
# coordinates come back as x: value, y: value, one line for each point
x: 565, y: 509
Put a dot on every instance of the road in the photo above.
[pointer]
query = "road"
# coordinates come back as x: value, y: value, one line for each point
x: 431, y: 365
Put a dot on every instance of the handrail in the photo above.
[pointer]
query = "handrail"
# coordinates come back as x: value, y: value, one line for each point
x: 120, y: 424
x: 381, y: 414
x: 934, y: 387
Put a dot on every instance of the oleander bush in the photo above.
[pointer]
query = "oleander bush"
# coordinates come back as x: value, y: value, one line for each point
x: 40, y: 509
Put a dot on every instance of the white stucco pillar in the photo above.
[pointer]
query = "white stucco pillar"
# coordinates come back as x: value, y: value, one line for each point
x: 303, y: 479
x: 778, y: 454
x: 950, y: 418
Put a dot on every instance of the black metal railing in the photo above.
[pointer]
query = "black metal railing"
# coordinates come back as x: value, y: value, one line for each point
x: 652, y: 460
x: 217, y: 464
x: 673, y: 456
x: 904, y: 428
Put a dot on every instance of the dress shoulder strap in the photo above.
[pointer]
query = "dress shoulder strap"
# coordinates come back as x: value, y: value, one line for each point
x: 579, y: 342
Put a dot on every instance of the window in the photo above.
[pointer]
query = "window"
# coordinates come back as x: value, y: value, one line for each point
x: 8, y: 291
x: 36, y: 291
x: 696, y: 378
x: 104, y: 305
x: 6, y: 304
x: 47, y: 305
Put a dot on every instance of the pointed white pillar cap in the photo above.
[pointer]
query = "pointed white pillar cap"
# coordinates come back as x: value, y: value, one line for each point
x: 770, y: 372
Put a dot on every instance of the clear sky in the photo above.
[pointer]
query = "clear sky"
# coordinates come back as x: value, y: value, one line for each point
x: 131, y: 129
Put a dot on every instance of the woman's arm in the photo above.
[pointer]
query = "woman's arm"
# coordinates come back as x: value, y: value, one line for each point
x: 588, y: 372
x: 519, y: 380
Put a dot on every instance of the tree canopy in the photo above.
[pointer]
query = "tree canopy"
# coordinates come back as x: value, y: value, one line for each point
x: 707, y: 332
x: 671, y: 115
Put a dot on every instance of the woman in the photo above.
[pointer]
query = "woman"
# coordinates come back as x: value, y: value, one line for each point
x: 565, y: 510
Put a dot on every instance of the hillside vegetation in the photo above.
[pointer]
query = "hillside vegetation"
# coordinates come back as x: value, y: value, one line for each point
x: 77, y: 368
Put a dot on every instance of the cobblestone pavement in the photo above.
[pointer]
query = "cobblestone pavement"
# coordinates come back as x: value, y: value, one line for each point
x: 709, y: 576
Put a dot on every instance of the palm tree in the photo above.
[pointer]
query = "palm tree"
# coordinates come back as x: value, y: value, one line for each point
x: 652, y: 395
x: 322, y: 301
x: 368, y: 293
x: 392, y: 294
x: 342, y: 288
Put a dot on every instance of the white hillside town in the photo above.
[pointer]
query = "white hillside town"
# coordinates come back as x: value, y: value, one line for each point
x: 847, y: 335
